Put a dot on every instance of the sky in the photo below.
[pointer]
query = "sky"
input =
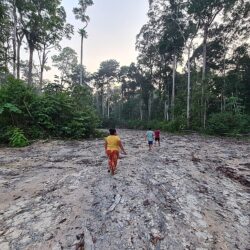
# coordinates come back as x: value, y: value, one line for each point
x: 112, y: 32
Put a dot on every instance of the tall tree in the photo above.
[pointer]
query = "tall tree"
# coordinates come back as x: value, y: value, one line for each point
x: 206, y: 12
x: 14, y: 34
x: 38, y: 18
x: 80, y: 13
x: 83, y: 34
x: 54, y: 29
x: 5, y: 38
x: 66, y: 62
x: 104, y: 77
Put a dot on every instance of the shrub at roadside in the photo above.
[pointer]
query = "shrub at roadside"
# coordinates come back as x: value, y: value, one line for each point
x: 41, y: 115
x: 228, y: 123
x: 17, y: 138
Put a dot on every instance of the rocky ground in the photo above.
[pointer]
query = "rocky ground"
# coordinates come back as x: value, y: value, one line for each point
x: 192, y: 192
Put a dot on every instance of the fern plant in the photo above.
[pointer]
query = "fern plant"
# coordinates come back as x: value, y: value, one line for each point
x: 17, y: 138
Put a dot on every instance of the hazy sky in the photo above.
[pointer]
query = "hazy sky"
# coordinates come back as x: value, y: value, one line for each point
x: 112, y: 31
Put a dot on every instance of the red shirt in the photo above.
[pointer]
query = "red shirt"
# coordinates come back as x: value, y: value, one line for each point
x: 157, y: 134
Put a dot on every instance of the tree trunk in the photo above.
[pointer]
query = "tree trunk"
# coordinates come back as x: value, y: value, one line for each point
x: 223, y: 108
x: 97, y: 102
x: 149, y: 106
x: 81, y: 71
x: 173, y: 87
x: 43, y: 61
x: 41, y: 77
x: 141, y: 111
x: 14, y: 38
x: 103, y: 106
x: 203, y: 87
x: 166, y: 111
x: 62, y: 79
x: 19, y: 44
x: 31, y: 50
x: 108, y: 107
x: 205, y: 114
x: 188, y: 89
x: 6, y: 59
x: 221, y: 102
x: 119, y: 110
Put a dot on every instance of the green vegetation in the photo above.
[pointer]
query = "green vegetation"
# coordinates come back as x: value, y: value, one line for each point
x: 17, y: 138
x: 192, y: 72
x: 26, y: 113
x: 228, y: 124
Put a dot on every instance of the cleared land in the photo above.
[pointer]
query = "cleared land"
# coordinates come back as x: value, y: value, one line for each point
x: 192, y: 192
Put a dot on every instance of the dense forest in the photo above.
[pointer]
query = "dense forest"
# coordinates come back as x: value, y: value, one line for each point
x: 192, y: 72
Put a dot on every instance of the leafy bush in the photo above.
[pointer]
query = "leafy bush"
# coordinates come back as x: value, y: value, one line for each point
x: 176, y: 125
x: 109, y: 123
x: 100, y: 134
x: 9, y: 107
x: 228, y: 123
x: 83, y: 124
x: 15, y: 98
x: 17, y: 138
x: 54, y: 113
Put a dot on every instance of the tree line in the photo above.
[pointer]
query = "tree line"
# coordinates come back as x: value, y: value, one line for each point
x: 192, y: 70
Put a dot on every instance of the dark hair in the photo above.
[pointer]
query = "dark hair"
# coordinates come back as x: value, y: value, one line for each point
x: 149, y: 129
x: 112, y: 131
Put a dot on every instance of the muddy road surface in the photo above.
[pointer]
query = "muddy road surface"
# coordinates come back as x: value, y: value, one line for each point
x: 192, y: 192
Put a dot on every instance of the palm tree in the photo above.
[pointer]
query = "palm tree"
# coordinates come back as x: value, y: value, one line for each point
x: 80, y: 13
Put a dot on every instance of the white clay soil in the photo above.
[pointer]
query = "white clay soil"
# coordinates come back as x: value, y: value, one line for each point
x: 192, y: 192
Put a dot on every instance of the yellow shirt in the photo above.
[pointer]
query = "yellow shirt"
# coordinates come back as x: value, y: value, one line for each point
x: 113, y: 142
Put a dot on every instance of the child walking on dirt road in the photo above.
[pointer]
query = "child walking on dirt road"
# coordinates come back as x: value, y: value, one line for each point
x: 113, y: 145
x: 157, y: 137
x: 150, y: 138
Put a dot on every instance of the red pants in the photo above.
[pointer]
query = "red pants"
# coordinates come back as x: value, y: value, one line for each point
x: 113, y: 156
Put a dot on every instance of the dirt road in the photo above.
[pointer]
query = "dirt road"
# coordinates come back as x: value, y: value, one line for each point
x: 189, y: 193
